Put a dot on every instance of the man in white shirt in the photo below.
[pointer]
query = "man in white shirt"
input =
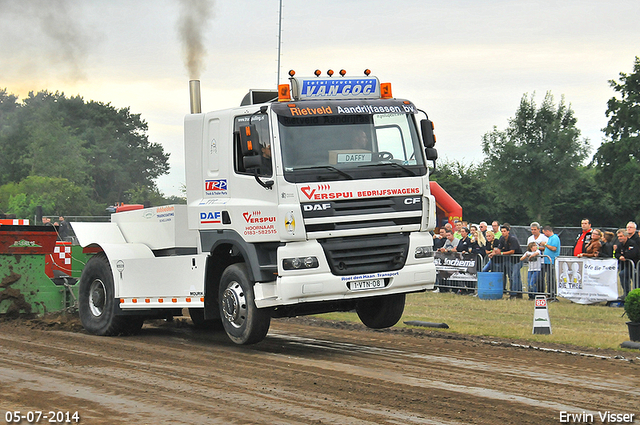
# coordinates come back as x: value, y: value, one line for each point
x: 537, y: 236
x: 540, y: 239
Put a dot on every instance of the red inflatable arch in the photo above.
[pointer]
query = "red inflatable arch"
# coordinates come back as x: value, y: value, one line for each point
x: 447, y: 209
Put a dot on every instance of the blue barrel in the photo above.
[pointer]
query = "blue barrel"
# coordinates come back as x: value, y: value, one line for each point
x: 490, y: 285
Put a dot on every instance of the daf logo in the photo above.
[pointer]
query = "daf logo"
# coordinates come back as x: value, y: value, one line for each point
x: 412, y: 201
x: 316, y: 207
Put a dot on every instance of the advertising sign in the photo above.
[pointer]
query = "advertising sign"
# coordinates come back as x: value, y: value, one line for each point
x: 587, y: 280
x: 459, y: 266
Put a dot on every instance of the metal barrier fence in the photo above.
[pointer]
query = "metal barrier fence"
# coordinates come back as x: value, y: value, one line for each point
x: 566, y: 251
x: 628, y: 276
x: 519, y: 281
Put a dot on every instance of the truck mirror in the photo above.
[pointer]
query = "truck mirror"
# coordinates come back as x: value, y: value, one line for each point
x: 249, y: 140
x: 432, y: 154
x: 428, y: 138
x: 251, y: 161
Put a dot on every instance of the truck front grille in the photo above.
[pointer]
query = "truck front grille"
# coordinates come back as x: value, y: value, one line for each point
x: 353, y: 214
x: 349, y: 225
x: 366, y: 254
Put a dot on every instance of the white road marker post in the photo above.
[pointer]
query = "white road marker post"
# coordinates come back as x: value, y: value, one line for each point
x: 541, y: 321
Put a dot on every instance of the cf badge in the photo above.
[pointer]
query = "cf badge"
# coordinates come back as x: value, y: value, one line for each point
x: 412, y: 201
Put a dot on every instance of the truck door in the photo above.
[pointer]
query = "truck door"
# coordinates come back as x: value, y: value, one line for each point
x: 255, y: 198
x: 254, y: 159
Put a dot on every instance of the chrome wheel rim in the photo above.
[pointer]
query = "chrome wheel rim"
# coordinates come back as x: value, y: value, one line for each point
x: 97, y: 297
x: 234, y: 305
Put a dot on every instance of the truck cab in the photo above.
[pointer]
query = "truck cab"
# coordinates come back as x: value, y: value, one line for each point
x: 316, y: 200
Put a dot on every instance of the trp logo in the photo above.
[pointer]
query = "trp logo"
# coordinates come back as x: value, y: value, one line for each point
x: 215, y: 185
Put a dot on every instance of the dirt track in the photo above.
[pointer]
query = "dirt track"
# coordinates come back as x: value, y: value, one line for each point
x: 305, y: 372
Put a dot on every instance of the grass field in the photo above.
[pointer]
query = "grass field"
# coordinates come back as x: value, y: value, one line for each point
x: 596, y: 326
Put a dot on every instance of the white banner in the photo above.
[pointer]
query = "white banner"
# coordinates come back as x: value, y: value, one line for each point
x: 587, y: 280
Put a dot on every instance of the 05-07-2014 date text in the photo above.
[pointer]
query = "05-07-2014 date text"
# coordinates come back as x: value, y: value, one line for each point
x: 37, y: 416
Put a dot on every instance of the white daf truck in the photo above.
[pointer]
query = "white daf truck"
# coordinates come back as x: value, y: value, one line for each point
x: 311, y: 199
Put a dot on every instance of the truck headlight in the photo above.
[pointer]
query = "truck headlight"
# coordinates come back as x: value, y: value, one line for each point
x: 300, y: 263
x: 423, y: 252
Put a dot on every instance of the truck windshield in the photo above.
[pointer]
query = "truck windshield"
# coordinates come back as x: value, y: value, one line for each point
x: 330, y: 147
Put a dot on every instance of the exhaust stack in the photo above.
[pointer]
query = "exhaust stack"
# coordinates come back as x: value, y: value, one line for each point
x: 194, y: 96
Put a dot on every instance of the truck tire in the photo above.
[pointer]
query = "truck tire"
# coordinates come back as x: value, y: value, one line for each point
x: 97, y: 304
x: 197, y: 317
x: 381, y: 312
x: 131, y: 325
x: 243, y: 322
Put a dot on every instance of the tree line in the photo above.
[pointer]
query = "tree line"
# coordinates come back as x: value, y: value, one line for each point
x: 74, y: 157
x: 537, y: 169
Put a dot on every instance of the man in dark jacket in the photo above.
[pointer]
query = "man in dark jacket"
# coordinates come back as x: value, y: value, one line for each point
x: 64, y: 229
x: 440, y: 239
x: 632, y: 232
x: 507, y: 246
x: 464, y: 244
x: 627, y: 251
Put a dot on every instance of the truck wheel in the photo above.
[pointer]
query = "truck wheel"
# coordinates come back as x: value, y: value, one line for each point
x: 96, y: 302
x: 197, y: 317
x: 381, y: 312
x: 242, y: 320
x: 131, y: 325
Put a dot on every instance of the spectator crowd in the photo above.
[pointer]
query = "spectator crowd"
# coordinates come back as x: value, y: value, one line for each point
x: 498, y: 247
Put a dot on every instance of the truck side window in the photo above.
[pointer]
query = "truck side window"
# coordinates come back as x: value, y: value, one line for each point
x: 395, y: 135
x: 390, y: 140
x: 262, y: 126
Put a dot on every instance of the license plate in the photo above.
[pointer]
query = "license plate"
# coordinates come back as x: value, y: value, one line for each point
x: 363, y: 285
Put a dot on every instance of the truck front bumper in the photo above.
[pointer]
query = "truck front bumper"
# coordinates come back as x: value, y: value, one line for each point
x: 320, y: 284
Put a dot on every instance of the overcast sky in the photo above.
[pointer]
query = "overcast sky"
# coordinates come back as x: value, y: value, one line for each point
x: 467, y: 63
